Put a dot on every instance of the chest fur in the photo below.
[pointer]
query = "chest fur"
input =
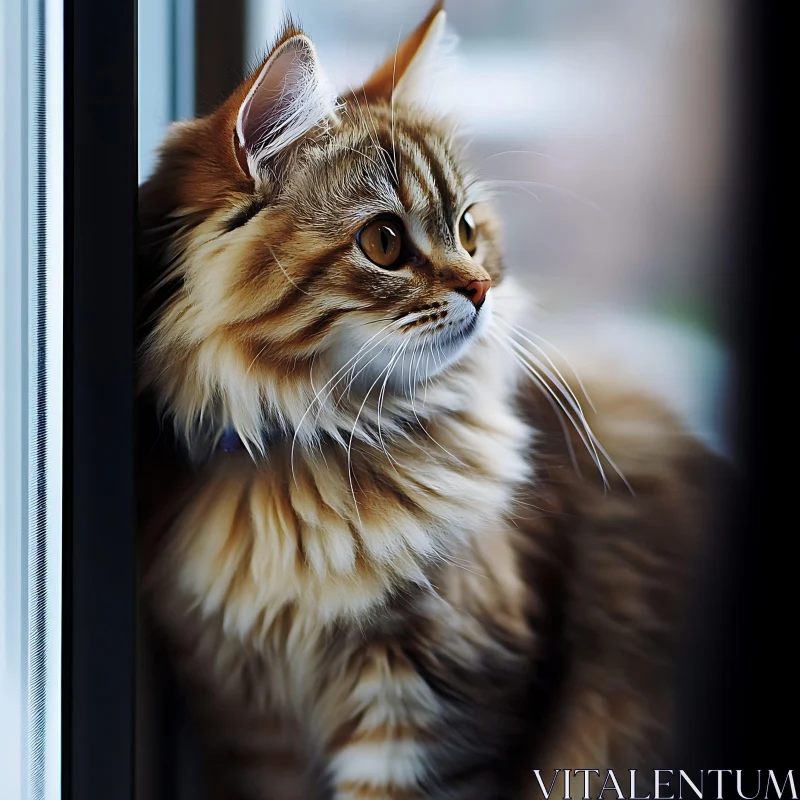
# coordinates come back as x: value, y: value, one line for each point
x: 326, y: 533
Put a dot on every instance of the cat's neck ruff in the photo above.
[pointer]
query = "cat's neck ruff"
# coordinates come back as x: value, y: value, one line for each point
x: 335, y: 531
x: 471, y: 387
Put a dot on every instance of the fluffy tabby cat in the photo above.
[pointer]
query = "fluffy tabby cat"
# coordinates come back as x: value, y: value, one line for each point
x: 395, y: 560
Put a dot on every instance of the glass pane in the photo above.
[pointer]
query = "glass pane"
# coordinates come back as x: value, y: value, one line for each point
x: 31, y: 323
x: 165, y: 72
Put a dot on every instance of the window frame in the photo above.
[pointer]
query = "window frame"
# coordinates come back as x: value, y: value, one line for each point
x: 100, y: 79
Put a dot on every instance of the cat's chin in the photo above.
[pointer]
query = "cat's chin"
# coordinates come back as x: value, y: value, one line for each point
x: 454, y: 344
x: 409, y: 360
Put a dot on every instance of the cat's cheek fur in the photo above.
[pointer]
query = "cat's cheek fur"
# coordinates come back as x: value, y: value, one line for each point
x: 377, y: 353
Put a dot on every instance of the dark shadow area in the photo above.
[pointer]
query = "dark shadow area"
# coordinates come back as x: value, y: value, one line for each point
x: 739, y: 703
x: 100, y: 207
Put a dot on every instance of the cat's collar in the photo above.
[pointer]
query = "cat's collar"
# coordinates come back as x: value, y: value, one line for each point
x: 229, y: 441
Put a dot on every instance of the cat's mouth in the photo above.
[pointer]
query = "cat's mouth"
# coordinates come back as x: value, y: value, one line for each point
x: 470, y: 324
x: 454, y: 335
x: 450, y: 324
x: 464, y: 326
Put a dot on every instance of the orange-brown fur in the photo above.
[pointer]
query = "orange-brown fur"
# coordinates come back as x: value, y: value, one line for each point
x: 443, y: 602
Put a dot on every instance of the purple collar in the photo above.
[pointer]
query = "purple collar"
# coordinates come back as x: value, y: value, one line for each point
x: 230, y: 441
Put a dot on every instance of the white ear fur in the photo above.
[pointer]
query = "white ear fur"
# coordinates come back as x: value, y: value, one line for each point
x: 290, y: 97
x: 433, y: 62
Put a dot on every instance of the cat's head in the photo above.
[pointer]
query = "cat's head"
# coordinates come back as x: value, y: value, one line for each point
x: 311, y: 252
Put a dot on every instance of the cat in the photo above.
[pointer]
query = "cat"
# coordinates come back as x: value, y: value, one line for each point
x: 393, y: 551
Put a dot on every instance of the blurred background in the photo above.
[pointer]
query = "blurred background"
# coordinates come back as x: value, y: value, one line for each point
x: 606, y: 125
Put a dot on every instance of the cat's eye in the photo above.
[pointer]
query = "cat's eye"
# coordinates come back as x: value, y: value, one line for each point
x: 382, y: 241
x: 468, y: 233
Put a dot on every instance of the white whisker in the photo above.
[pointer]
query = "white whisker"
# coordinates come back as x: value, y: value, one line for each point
x: 531, y: 371
x: 556, y: 410
x: 588, y: 438
x: 428, y: 434
x: 327, y: 383
x: 450, y: 560
x: 391, y: 97
x: 288, y: 277
x: 558, y: 189
x: 521, y: 152
x: 362, y: 153
x: 566, y: 361
x: 596, y: 442
x: 384, y: 155
x: 353, y: 431
x: 364, y: 120
x: 561, y: 381
x: 427, y: 376
x: 256, y: 357
x: 594, y: 445
x: 381, y: 397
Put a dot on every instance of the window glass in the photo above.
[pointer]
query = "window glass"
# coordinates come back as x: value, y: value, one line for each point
x: 31, y: 325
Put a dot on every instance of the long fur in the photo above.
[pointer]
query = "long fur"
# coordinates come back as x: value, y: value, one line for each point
x: 434, y: 566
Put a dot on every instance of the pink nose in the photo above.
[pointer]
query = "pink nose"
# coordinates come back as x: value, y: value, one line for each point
x: 475, y: 292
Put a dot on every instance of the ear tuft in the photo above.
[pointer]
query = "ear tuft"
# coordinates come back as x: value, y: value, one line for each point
x: 290, y: 97
x: 422, y: 65
x: 433, y: 61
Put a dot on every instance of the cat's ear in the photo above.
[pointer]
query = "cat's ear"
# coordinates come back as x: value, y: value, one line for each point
x: 289, y: 97
x: 407, y: 74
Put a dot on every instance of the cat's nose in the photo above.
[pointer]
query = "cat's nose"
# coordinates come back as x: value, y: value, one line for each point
x: 475, y: 292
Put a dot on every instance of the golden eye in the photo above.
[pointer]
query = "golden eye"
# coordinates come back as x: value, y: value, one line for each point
x: 468, y: 233
x: 381, y: 240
